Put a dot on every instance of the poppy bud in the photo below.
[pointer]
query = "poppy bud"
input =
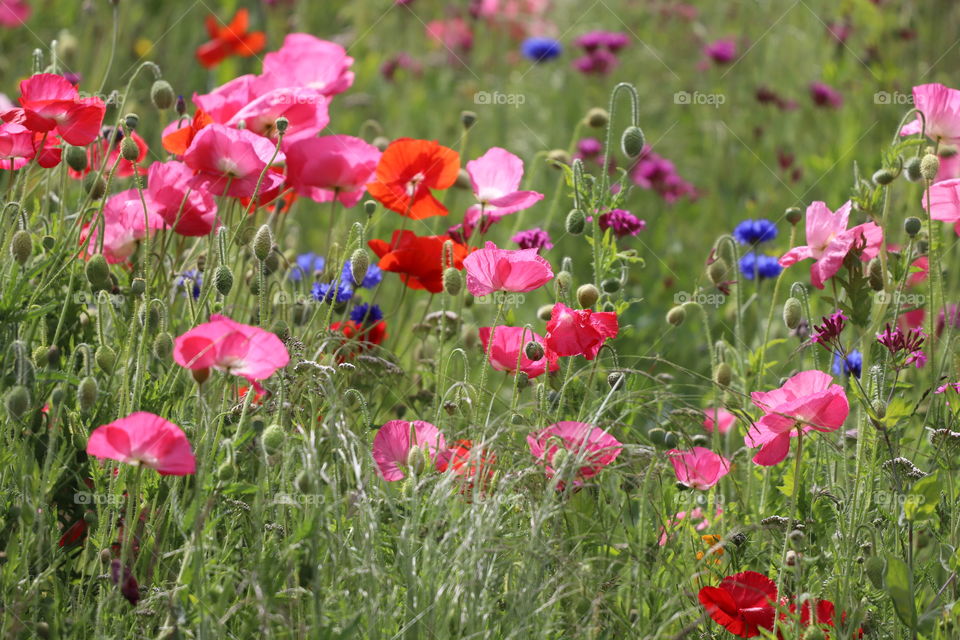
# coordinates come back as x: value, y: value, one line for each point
x: 223, y: 279
x: 794, y: 215
x: 879, y: 408
x: 587, y: 295
x: 875, y: 274
x: 161, y: 95
x: 911, y: 168
x: 95, y: 186
x: 43, y: 630
x: 792, y: 313
x: 262, y: 243
x: 616, y: 379
x: 87, y: 392
x: 912, y: 226
x: 48, y: 242
x: 463, y: 180
x: 201, y: 262
x: 723, y: 374
x: 929, y: 166
x: 106, y: 358
x: 200, y: 375
x: 418, y: 459
x: 271, y: 440
x: 226, y: 471
x: 163, y: 345
x: 359, y: 263
x: 40, y: 356
x: 597, y: 118
x: 717, y: 270
x: 610, y: 285
x: 564, y: 281
x: 76, y: 158
x: 468, y: 119
x: 97, y: 271
x: 676, y: 316
x: 21, y: 246
x: 282, y: 124
x: 576, y: 220
x: 632, y: 141
x: 138, y: 286
x: 131, y: 121
x: 452, y: 281
x: 272, y: 263
x: 875, y: 568
x: 149, y: 318
x: 670, y: 439
x: 533, y: 350
x: 381, y: 142
x: 181, y: 106
x: 883, y: 177
x: 17, y: 401
x: 545, y: 312
x: 557, y: 157
x: 370, y: 207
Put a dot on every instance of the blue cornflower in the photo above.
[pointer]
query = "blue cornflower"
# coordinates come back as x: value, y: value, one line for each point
x: 853, y: 363
x: 758, y: 265
x: 366, y: 314
x: 326, y: 292
x: 755, y: 231
x: 189, y: 279
x: 541, y: 49
x: 370, y: 280
x: 306, y: 264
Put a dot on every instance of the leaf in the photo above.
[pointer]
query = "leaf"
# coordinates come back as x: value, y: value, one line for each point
x: 901, y: 592
x: 921, y: 502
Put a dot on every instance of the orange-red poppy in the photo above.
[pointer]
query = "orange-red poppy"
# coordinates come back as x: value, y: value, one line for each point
x: 179, y: 140
x: 408, y: 170
x: 230, y: 40
x: 418, y: 259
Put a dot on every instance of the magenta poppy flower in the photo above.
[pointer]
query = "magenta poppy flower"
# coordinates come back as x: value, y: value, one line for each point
x: 225, y: 101
x: 516, y: 270
x: 808, y: 401
x: 698, y: 468
x: 307, y: 61
x: 49, y: 102
x: 147, y: 439
x: 940, y: 106
x: 229, y: 161
x: 230, y: 346
x: 829, y: 241
x: 508, y: 348
x: 722, y: 51
x: 13, y: 13
x: 189, y: 212
x: 944, y: 202
x: 125, y: 225
x: 332, y: 167
x: 400, y: 445
x: 495, y: 177
x: 574, y: 332
x: 593, y: 447
x: 305, y: 110
x: 717, y: 419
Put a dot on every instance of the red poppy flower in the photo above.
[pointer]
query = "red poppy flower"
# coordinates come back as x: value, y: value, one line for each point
x: 743, y: 603
x: 574, y: 332
x: 825, y: 616
x: 74, y: 533
x: 355, y: 331
x: 408, y: 170
x: 178, y: 136
x: 230, y: 40
x: 49, y: 101
x: 460, y: 461
x: 418, y: 259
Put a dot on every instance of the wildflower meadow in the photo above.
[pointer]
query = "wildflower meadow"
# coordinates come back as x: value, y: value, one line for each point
x: 527, y: 319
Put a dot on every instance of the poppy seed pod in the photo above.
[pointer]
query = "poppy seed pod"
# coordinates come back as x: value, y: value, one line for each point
x: 676, y: 316
x: 587, y: 295
x: 95, y: 186
x: 468, y: 119
x: 723, y: 374
x: 597, y: 118
x: 87, y: 392
x: 911, y: 169
x: 106, y: 358
x: 272, y: 439
x: 883, y: 177
x: 161, y: 95
x: 21, y: 246
x: 131, y: 121
x: 792, y: 313
x: 632, y: 141
x: 533, y: 350
x: 223, y: 279
x: 452, y: 281
x: 912, y: 226
x: 793, y: 215
x: 370, y: 207
x: 576, y: 221
x: 281, y: 124
x: 929, y: 166
x: 76, y: 158
x: 262, y: 243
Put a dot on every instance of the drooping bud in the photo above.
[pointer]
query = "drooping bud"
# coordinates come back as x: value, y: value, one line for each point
x: 87, y: 392
x: 929, y: 166
x: 106, y: 358
x: 98, y: 271
x: 304, y: 482
x: 533, y: 350
x: 875, y: 568
x: 200, y: 375
x: 794, y: 215
x: 616, y: 379
x: 48, y: 243
x: 163, y: 345
x: 879, y: 408
x: 161, y: 95
x: 452, y: 281
x: 545, y: 312
x: 95, y: 186
x: 381, y: 142
x: 632, y: 141
x: 223, y: 279
x: 723, y: 374
x: 676, y: 315
x: 76, y: 158
x: 418, y: 459
x: 597, y: 118
x: 656, y: 435
x: 21, y: 246
x: 226, y: 471
x: 792, y: 313
x: 272, y: 439
x: 576, y: 220
x: 262, y: 242
x: 717, y: 270
x: 564, y: 281
x: 875, y: 274
x: 911, y: 169
x: 17, y: 402
x: 610, y: 285
x: 463, y: 180
x: 883, y: 177
x: 912, y: 226
x: 587, y: 295
x: 468, y: 119
x: 359, y: 263
x: 557, y: 157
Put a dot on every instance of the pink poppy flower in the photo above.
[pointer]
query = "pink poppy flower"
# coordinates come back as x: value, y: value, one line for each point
x: 698, y: 468
x: 125, y: 225
x: 949, y: 167
x: 307, y: 61
x: 721, y: 51
x: 696, y: 514
x: 230, y: 346
x: 305, y: 109
x: 189, y: 212
x: 332, y: 167
x: 147, y: 439
x: 574, y: 332
x: 517, y: 270
x: 508, y: 347
x: 593, y: 447
x: 495, y: 177
x: 16, y: 145
x: 225, y: 101
x: 718, y: 419
x: 940, y: 106
x: 48, y: 101
x: 229, y: 161
x: 13, y: 13
x: 808, y: 401
x: 944, y: 202
x: 829, y: 241
x: 400, y: 445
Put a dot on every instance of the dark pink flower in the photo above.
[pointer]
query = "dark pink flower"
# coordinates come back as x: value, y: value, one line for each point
x: 230, y: 161
x: 825, y: 96
x: 622, y: 222
x: 722, y: 51
x: 591, y: 447
x: 332, y: 167
x: 507, y: 351
x: 574, y: 332
x: 189, y: 212
x: 698, y: 468
x: 307, y: 61
x: 401, y: 445
x: 232, y: 347
x: 492, y: 269
x: 147, y: 439
x: 535, y: 238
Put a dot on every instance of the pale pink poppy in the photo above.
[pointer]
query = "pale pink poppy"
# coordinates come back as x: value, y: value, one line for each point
x: 225, y: 101
x: 574, y: 332
x: 332, y: 167
x: 940, y: 106
x: 230, y: 161
x: 829, y: 241
x: 495, y: 178
x: 305, y: 110
x: 508, y: 348
x: 48, y: 101
x: 190, y: 212
x: 125, y: 225
x: 808, y: 401
x: 516, y: 270
x: 13, y: 13
x: 698, y: 468
x: 401, y: 445
x: 718, y: 419
x: 232, y: 347
x: 944, y: 202
x: 146, y: 439
x: 307, y: 61
x: 591, y: 446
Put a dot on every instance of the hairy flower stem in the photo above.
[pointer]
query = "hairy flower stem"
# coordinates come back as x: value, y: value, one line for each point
x: 486, y: 357
x: 791, y: 524
x: 773, y: 306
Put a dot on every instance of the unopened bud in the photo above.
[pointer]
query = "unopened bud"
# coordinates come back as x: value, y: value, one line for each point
x: 87, y: 392
x: 632, y: 141
x: 272, y: 439
x: 875, y: 274
x: 929, y: 166
x: 95, y: 186
x: 879, y: 408
x: 161, y: 94
x: 21, y: 246
x: 223, y: 279
x: 200, y: 375
x: 17, y: 402
x: 381, y: 142
x: 138, y: 286
x: 676, y: 316
x: 587, y: 296
x: 463, y: 180
x: 576, y: 221
x: 723, y: 374
x: 792, y: 313
x: 545, y: 312
x: 912, y: 226
x: 875, y: 567
x: 468, y: 119
x: 717, y: 270
x: 610, y: 285
x: 557, y: 157
x: 533, y: 350
x: 597, y: 118
x: 359, y: 263
x: 106, y: 358
x: 911, y: 169
x: 98, y: 271
x: 452, y: 281
x: 48, y: 243
x: 616, y: 379
x: 794, y: 215
x: 163, y: 345
x: 226, y: 471
x: 883, y: 177
x: 262, y: 243
x: 76, y: 158
x: 564, y: 281
x: 370, y: 207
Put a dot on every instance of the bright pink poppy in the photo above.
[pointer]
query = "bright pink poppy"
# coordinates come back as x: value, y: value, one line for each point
x: 495, y: 177
x: 400, y: 445
x: 698, y: 468
x: 16, y: 145
x: 147, y: 439
x: 13, y: 13
x: 517, y: 270
x: 332, y: 167
x: 230, y: 346
x: 305, y: 110
x: 809, y: 401
x: 508, y: 348
x: 230, y: 161
x: 307, y: 61
x: 743, y: 603
x: 48, y: 101
x: 225, y: 101
x: 190, y: 212
x: 574, y: 332
x: 829, y: 241
x: 944, y: 202
x: 125, y: 225
x: 716, y: 418
x: 591, y: 446
x: 940, y: 106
